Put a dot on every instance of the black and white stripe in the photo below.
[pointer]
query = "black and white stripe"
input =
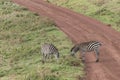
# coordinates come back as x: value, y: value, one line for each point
x: 48, y: 50
x: 87, y: 47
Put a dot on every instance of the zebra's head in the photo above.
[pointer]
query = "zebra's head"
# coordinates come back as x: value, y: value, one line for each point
x: 74, y: 49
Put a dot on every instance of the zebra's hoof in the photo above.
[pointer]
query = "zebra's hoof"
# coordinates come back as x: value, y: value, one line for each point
x: 97, y: 60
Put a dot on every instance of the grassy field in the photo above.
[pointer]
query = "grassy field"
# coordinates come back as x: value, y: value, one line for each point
x: 21, y: 34
x: 107, y: 11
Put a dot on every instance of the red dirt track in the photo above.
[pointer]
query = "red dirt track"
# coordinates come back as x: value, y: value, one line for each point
x: 81, y: 28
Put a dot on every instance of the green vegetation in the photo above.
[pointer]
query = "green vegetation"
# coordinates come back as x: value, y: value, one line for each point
x: 107, y: 11
x: 21, y: 34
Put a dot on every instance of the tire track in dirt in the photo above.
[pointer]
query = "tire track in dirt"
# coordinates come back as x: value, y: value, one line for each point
x: 81, y: 28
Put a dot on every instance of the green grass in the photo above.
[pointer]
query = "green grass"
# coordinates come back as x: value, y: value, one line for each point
x: 21, y: 35
x: 107, y: 11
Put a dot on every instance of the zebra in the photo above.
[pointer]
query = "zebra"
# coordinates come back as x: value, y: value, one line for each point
x: 87, y: 47
x: 48, y: 50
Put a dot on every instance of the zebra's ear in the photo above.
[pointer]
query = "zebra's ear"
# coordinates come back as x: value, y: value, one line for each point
x: 72, y: 48
x: 75, y: 48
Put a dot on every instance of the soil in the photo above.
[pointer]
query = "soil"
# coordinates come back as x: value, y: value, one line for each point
x: 80, y: 28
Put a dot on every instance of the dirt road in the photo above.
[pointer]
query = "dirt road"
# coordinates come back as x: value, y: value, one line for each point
x: 81, y: 28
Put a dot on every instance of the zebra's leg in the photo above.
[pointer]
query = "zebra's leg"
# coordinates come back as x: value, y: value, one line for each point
x: 97, y: 54
x: 56, y: 57
x: 50, y: 57
x: 43, y: 58
x: 83, y: 56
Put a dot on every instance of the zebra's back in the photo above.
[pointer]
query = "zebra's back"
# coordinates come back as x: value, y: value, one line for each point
x: 48, y: 49
x: 89, y: 46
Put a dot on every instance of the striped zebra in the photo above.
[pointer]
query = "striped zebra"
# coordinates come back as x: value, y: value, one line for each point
x: 48, y: 50
x: 87, y: 47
